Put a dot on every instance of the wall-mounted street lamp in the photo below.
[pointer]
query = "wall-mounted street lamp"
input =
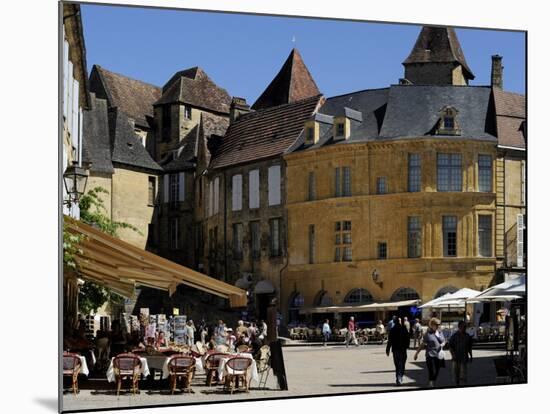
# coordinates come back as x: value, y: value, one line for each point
x: 75, y: 179
x: 376, y: 278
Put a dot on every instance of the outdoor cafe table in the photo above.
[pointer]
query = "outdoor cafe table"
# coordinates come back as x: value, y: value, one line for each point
x: 144, y: 370
x: 252, y: 372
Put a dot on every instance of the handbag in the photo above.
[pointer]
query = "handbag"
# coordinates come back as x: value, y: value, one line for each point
x: 441, y: 358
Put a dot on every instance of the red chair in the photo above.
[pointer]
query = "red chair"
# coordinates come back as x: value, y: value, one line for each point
x: 236, y: 369
x: 127, y: 366
x: 71, y: 368
x: 181, y: 367
x: 211, y: 365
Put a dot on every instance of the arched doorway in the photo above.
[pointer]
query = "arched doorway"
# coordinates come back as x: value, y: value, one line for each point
x: 444, y: 290
x: 295, y: 303
x: 359, y: 296
x: 322, y: 299
x: 264, y: 291
x: 405, y: 294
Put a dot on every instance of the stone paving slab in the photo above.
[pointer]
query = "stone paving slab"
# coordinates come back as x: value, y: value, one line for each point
x: 310, y: 371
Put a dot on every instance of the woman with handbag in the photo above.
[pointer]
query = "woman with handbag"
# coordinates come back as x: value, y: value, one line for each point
x: 433, y: 343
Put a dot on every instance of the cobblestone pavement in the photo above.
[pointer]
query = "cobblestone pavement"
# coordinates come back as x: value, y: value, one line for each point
x: 311, y: 370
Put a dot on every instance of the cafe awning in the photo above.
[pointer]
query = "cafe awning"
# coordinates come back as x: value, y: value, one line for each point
x: 368, y: 307
x: 121, y: 266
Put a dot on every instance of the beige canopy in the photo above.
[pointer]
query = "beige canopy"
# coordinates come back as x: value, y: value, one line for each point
x: 121, y: 266
x: 368, y: 307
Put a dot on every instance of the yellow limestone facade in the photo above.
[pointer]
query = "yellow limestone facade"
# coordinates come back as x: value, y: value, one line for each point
x: 383, y: 218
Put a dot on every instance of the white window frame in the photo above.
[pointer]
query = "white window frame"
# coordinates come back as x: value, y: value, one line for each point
x: 237, y: 192
x: 274, y: 185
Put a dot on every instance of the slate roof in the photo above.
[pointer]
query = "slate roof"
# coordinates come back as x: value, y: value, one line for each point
x: 265, y: 133
x: 438, y: 45
x: 133, y: 97
x: 510, y: 116
x: 193, y: 87
x: 108, y: 139
x: 291, y: 84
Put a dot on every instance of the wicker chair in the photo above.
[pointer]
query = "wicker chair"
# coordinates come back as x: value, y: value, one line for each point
x: 263, y: 364
x: 181, y: 367
x: 127, y: 366
x: 237, y: 369
x: 71, y: 368
x: 211, y: 365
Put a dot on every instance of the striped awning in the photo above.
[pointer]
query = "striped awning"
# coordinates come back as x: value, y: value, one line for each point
x: 121, y: 267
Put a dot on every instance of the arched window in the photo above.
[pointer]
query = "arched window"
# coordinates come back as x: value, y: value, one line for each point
x: 358, y: 296
x: 294, y: 304
x: 405, y: 293
x: 322, y: 299
x: 297, y: 300
x: 445, y: 290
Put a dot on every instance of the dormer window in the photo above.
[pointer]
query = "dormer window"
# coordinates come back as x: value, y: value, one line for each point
x: 448, y: 124
x: 340, y: 129
x: 311, y: 132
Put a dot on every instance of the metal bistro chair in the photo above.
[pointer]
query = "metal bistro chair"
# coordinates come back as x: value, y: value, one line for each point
x: 263, y: 364
x: 211, y: 365
x: 181, y: 367
x: 237, y: 369
x: 127, y: 366
x: 71, y: 368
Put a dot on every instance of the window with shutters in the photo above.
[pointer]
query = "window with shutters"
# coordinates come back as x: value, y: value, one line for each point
x: 237, y: 241
x: 254, y: 189
x: 311, y: 235
x: 485, y: 173
x: 381, y: 186
x: 152, y: 191
x: 449, y: 172
x: 166, y: 122
x: 414, y: 237
x: 274, y: 185
x: 449, y: 236
x: 174, y: 233
x: 343, y: 247
x: 275, y: 237
x: 415, y: 173
x: 485, y: 235
x: 311, y: 184
x: 382, y: 250
x: 255, y: 239
x: 520, y: 241
x: 237, y: 192
x: 174, y: 186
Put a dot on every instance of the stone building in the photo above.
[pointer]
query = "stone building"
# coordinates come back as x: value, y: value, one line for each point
x: 393, y: 193
x: 132, y: 97
x: 245, y: 227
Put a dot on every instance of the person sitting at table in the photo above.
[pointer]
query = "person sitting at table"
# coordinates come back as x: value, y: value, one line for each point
x: 241, y: 329
x: 161, y: 341
x: 230, y: 339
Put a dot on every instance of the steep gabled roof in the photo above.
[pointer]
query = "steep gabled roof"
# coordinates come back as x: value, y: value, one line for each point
x: 133, y: 97
x: 510, y: 118
x: 194, y: 87
x: 438, y: 45
x: 265, y: 133
x: 291, y: 84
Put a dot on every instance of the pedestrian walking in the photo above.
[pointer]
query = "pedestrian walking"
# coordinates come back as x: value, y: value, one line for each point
x: 350, y: 337
x: 326, y: 332
x: 417, y: 333
x: 432, y: 342
x: 190, y: 333
x: 407, y: 326
x: 398, y: 343
x: 460, y: 345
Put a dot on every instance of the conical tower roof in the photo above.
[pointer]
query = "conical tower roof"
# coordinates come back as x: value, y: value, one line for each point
x: 292, y: 83
x: 438, y: 45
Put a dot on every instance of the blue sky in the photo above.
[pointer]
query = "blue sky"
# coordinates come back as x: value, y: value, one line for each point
x: 242, y: 53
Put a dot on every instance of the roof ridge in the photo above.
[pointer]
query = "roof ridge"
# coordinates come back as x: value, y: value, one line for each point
x: 359, y: 91
x: 101, y: 68
x: 274, y: 108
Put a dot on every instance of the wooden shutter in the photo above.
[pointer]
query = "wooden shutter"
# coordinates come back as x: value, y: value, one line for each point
x: 181, y: 186
x: 65, y: 77
x: 237, y: 193
x: 80, y: 123
x: 166, y: 188
x: 274, y: 185
x: 74, y: 129
x: 68, y: 93
x: 254, y: 189
x: 519, y: 240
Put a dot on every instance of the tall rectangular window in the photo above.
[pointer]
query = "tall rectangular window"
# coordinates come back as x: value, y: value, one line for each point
x: 152, y: 191
x: 346, y: 182
x: 216, y: 195
x: 255, y: 239
x: 311, y: 190
x: 274, y: 185
x: 382, y: 250
x: 415, y: 173
x: 254, y: 189
x: 381, y: 186
x: 174, y: 233
x: 449, y: 236
x: 343, y: 246
x: 187, y: 112
x: 166, y: 122
x: 237, y: 192
x: 275, y: 237
x: 485, y: 235
x: 485, y: 173
x: 174, y: 187
x: 449, y: 172
x: 414, y: 237
x: 237, y: 241
x: 311, y: 234
x: 337, y: 183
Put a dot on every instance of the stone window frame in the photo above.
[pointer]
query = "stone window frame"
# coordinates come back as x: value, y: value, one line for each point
x: 414, y: 237
x: 381, y: 185
x: 343, y: 251
x: 448, y: 121
x: 414, y: 169
x: 275, y: 237
x: 382, y: 250
x: 340, y: 129
x: 187, y: 112
x: 450, y: 245
x: 449, y: 172
x: 485, y: 235
x: 485, y: 173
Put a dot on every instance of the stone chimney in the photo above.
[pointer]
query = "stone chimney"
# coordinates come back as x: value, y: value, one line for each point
x: 238, y: 107
x: 496, y: 71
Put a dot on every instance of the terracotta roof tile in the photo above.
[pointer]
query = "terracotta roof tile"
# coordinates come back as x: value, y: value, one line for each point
x: 510, y: 115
